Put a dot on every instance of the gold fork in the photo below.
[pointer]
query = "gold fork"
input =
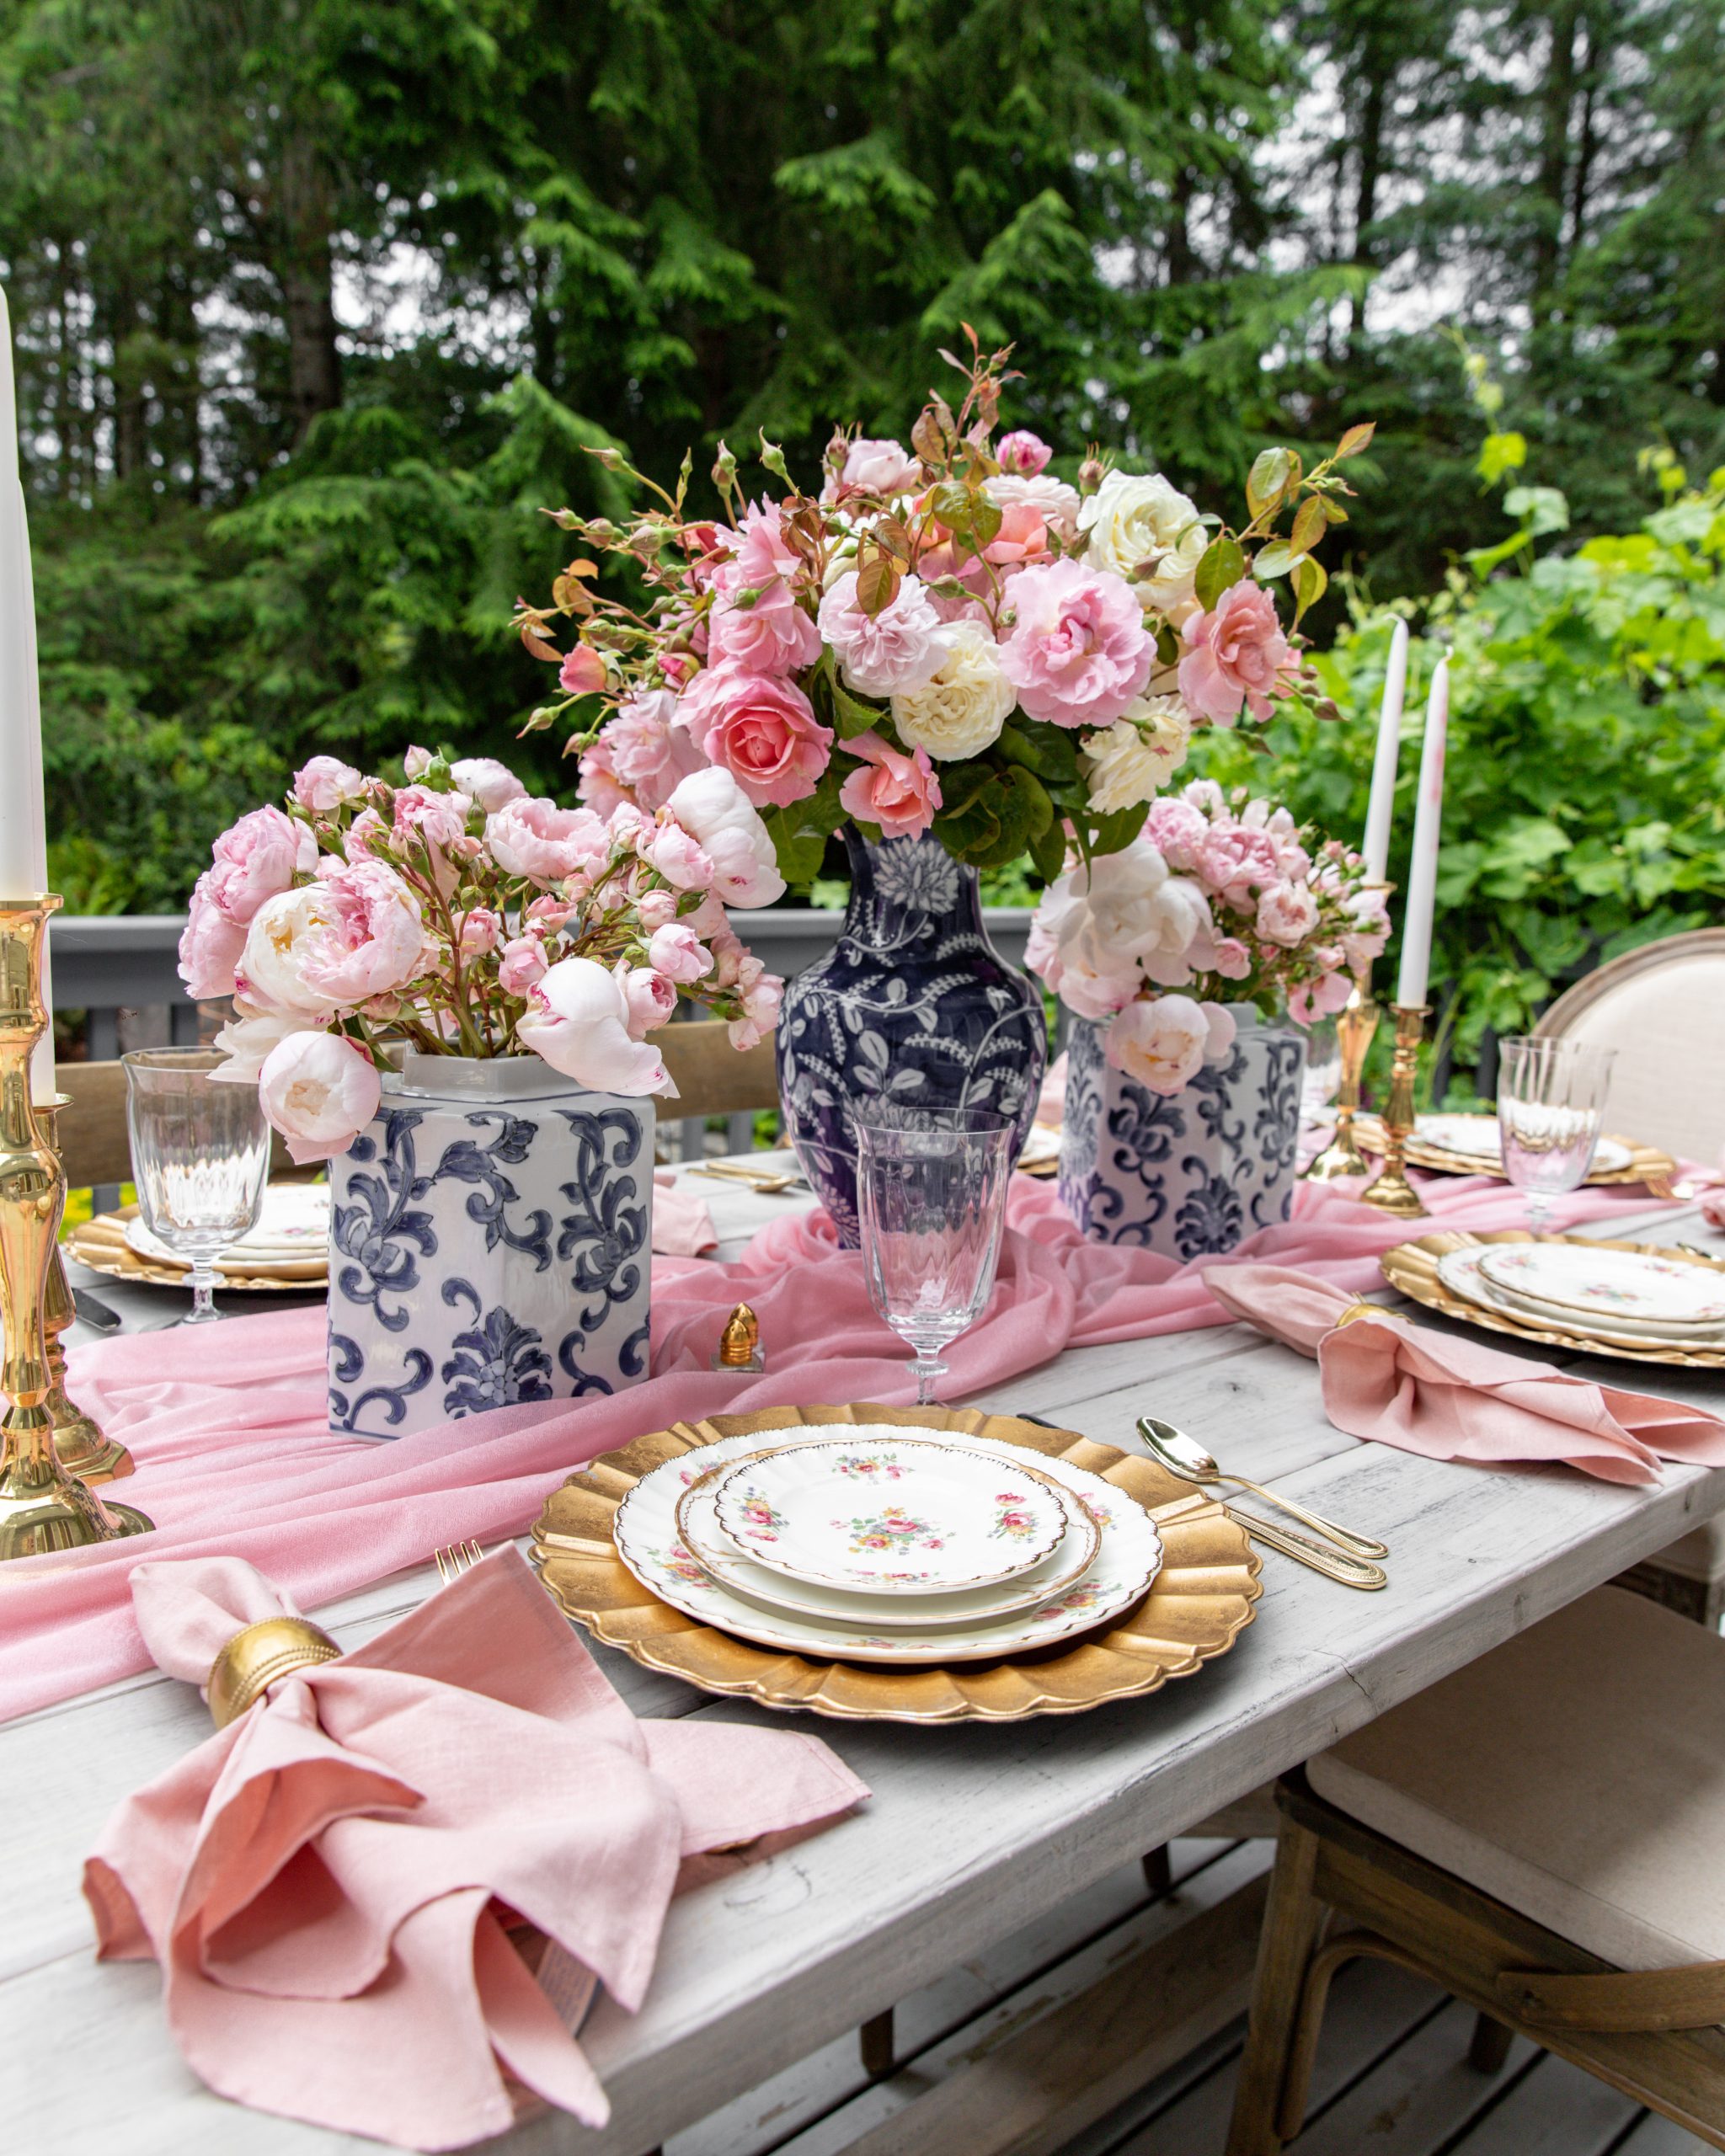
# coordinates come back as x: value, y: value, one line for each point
x: 457, y: 1558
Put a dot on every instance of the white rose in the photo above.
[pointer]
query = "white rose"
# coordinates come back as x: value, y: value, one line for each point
x: 285, y: 931
x: 1052, y: 499
x: 717, y: 814
x: 486, y: 781
x: 1139, y: 753
x: 1162, y: 1043
x: 1145, y: 530
x: 962, y: 707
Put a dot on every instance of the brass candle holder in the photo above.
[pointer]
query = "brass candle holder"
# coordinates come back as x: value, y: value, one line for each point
x: 1356, y: 1024
x: 84, y: 1449
x: 1391, y: 1193
x: 42, y: 1508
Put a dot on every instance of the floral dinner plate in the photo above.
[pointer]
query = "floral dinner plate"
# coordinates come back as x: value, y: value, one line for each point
x: 1459, y: 1271
x: 879, y: 1513
x: 1607, y: 1284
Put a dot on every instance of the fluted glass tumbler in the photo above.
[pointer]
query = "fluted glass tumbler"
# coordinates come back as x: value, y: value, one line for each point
x: 1551, y: 1110
x: 931, y: 1200
x: 199, y: 1159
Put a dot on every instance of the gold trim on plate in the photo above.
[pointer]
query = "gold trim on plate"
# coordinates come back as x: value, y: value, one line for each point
x: 101, y: 1244
x: 1197, y: 1606
x: 1646, y: 1163
x: 1413, y: 1267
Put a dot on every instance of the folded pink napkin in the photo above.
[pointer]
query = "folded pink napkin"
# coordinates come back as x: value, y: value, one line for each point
x: 387, y: 1891
x: 1458, y: 1399
x: 682, y: 1226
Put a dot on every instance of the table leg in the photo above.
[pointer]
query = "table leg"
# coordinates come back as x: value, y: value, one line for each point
x: 875, y: 2038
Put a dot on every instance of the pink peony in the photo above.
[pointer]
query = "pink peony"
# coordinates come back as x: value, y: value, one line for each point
x: 886, y: 654
x: 874, y: 466
x: 649, y: 997
x: 369, y: 938
x: 484, y: 780
x: 477, y: 931
x: 326, y: 783
x: 210, y: 945
x: 319, y: 1090
x: 577, y: 1019
x: 1162, y: 1043
x: 1234, y: 655
x: 246, y: 1041
x: 649, y: 753
x: 582, y: 673
x: 899, y: 793
x: 535, y: 838
x: 258, y: 857
x: 656, y: 908
x: 1022, y: 453
x: 1287, y: 914
x: 714, y: 810
x: 679, y: 857
x: 523, y: 963
x: 761, y: 730
x: 677, y: 952
x: 1079, y: 652
x: 773, y: 636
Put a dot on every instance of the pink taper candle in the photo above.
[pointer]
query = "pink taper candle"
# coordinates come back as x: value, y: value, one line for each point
x: 1382, y: 809
x: 1423, y: 876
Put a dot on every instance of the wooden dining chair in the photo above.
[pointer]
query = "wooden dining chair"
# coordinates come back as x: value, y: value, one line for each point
x: 1542, y: 1835
x: 712, y: 1078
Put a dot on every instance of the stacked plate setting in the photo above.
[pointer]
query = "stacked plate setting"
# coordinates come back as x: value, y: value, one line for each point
x: 1475, y: 1142
x: 291, y: 1239
x: 887, y: 1545
x: 1594, y: 1292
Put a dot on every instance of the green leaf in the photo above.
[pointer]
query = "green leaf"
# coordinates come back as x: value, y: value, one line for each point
x: 1540, y: 508
x: 1273, y: 561
x: 1111, y: 834
x: 1267, y: 479
x: 1050, y: 751
x: 1355, y: 439
x: 999, y: 818
x: 1310, y: 581
x: 1222, y: 565
x: 1498, y: 454
x: 1309, y: 525
x: 1049, y: 852
x: 876, y: 582
x: 852, y: 715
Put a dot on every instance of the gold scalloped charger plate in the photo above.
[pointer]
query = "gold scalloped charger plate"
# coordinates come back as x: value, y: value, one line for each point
x: 1646, y: 1164
x: 1197, y: 1606
x: 1413, y: 1267
x: 101, y: 1243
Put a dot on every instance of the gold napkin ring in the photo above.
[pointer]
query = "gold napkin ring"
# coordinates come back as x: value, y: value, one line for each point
x: 1363, y: 1309
x: 254, y: 1659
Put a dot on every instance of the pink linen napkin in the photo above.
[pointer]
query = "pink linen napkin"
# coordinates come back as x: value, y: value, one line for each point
x: 1409, y: 1385
x: 682, y: 1226
x: 336, y: 1884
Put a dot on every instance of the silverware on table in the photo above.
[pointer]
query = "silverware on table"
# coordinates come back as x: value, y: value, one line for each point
x: 1320, y: 1556
x: 92, y: 1311
x: 1187, y: 1457
x: 768, y: 1186
x: 454, y: 1559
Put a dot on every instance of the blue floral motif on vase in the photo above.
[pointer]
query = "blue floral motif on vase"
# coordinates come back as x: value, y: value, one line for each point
x: 487, y: 1250
x: 913, y: 1006
x: 1189, y: 1174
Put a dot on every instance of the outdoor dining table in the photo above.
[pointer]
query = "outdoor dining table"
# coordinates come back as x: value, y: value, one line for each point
x: 972, y: 1830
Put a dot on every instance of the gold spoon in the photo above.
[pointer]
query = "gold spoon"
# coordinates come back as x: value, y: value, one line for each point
x: 1187, y: 1457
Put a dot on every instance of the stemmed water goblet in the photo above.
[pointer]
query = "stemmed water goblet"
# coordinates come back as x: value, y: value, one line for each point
x: 1551, y: 1111
x: 931, y: 1193
x: 199, y: 1159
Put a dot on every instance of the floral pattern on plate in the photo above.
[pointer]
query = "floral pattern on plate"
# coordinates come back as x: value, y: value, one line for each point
x: 1128, y: 1560
x: 1459, y: 1271
x: 952, y: 1521
x: 1608, y: 1284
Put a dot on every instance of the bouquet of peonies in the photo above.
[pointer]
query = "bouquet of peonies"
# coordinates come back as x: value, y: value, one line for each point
x: 457, y: 915
x: 947, y: 638
x: 1215, y: 899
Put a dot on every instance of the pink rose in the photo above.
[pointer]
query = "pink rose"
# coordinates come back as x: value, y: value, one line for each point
x: 1366, y: 940
x: 484, y: 780
x: 874, y: 466
x: 679, y: 857
x: 648, y: 753
x: 649, y: 997
x: 416, y: 763
x: 761, y: 1010
x: 1229, y: 957
x: 1234, y: 655
x: 886, y: 654
x: 535, y: 838
x: 326, y: 783
x: 1287, y: 914
x: 761, y: 730
x: 1162, y: 1043
x: 477, y: 931
x: 577, y: 1019
x: 1177, y: 831
x: 1079, y: 652
x: 549, y: 913
x: 899, y: 793
x: 319, y: 1090
x: 654, y: 909
x: 1054, y: 501
x: 773, y: 636
x: 523, y: 963
x: 440, y: 820
x: 366, y: 832
x: 582, y: 673
x: 761, y: 554
x: 255, y: 860
x: 210, y: 945
x: 1237, y: 861
x: 1021, y: 539
x: 715, y: 810
x: 599, y: 788
x: 676, y: 952
x: 1322, y: 998
x: 1024, y: 453
x: 370, y: 938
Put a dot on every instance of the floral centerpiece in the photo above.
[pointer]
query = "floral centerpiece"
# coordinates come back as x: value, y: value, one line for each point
x: 945, y: 649
x: 448, y: 989
x: 1181, y: 1117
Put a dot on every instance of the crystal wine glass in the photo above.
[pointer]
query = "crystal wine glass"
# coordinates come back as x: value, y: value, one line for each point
x: 931, y: 1191
x: 199, y: 1159
x: 1551, y: 1109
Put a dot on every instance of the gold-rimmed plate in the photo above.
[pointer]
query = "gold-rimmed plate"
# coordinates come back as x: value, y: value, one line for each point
x: 1646, y: 1164
x: 101, y: 1243
x: 1198, y: 1602
x: 1413, y: 1268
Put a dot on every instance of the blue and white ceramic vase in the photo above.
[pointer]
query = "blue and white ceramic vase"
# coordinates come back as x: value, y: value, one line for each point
x: 913, y: 1005
x: 1188, y: 1174
x: 490, y: 1238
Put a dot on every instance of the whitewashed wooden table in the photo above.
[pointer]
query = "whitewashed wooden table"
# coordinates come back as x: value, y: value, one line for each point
x: 972, y: 1832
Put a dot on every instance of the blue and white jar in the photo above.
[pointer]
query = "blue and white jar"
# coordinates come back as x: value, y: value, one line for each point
x: 1188, y: 1174
x: 489, y: 1242
x: 913, y: 1005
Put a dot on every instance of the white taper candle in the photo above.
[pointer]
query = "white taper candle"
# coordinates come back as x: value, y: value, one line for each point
x: 1427, y: 823
x: 1381, y: 811
x: 23, y: 844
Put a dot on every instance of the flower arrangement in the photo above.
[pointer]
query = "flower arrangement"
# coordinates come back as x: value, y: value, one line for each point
x: 1216, y: 897
x: 458, y: 916
x: 946, y: 639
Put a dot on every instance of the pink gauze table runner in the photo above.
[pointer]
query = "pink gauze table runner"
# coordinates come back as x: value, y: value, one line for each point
x: 235, y: 1456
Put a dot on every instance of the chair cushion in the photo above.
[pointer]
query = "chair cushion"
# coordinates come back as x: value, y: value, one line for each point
x: 1576, y: 1773
x: 1668, y: 1026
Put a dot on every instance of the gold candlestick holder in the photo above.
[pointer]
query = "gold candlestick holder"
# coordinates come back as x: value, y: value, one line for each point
x: 1356, y: 1024
x: 42, y: 1508
x: 84, y: 1449
x: 1392, y: 1192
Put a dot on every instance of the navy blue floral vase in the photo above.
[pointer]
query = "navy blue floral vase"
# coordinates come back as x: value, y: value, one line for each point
x: 913, y: 1005
x: 490, y: 1232
x: 1188, y: 1174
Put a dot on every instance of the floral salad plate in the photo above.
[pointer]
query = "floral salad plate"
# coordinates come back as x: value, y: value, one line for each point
x: 1462, y: 1271
x: 1607, y: 1284
x: 645, y: 1531
x: 1478, y: 1137
x: 881, y: 1514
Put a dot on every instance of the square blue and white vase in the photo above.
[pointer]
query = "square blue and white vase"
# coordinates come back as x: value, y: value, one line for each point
x: 490, y: 1241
